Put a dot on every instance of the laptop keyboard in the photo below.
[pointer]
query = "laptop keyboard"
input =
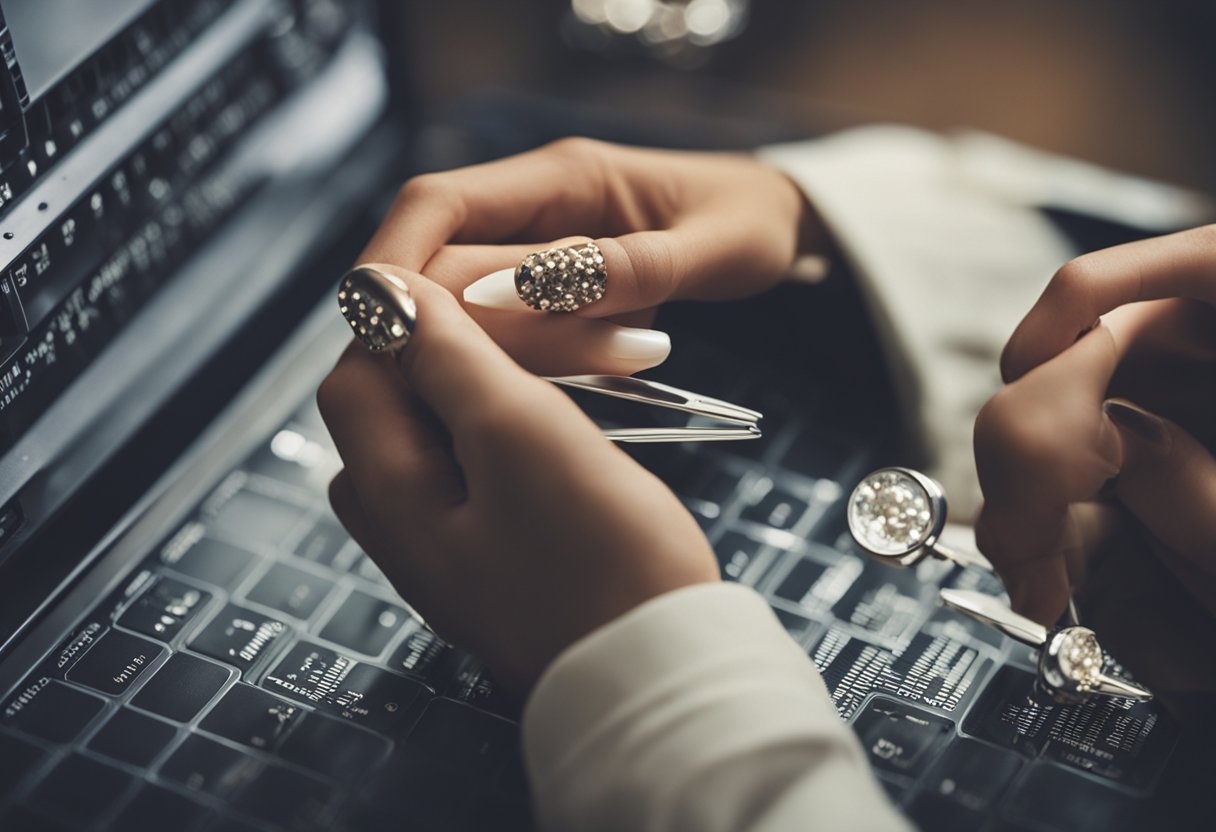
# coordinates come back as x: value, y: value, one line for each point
x: 258, y: 672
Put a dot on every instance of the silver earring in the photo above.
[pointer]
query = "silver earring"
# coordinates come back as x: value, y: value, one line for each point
x: 1072, y: 666
x: 897, y: 515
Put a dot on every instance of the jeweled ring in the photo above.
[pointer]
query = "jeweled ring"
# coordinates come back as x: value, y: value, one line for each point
x: 897, y: 515
x: 562, y: 279
x: 378, y: 307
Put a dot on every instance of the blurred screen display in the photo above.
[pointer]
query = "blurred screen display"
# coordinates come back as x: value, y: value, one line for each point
x: 52, y: 36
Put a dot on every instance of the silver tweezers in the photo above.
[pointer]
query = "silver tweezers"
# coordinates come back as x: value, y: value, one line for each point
x: 739, y: 422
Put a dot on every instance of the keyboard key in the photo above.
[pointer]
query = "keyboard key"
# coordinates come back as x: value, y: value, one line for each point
x: 883, y: 601
x: 53, y: 711
x: 238, y: 636
x: 288, y: 799
x: 365, y: 623
x: 334, y: 748
x: 324, y: 543
x: 293, y: 457
x: 181, y: 687
x: 411, y: 792
x: 771, y: 505
x: 114, y: 662
x: 797, y: 583
x: 367, y: 569
x: 426, y: 656
x: 474, y: 686
x: 702, y: 478
x: 900, y: 738
x: 972, y: 774
x: 17, y: 758
x: 1052, y: 797
x: 252, y: 717
x: 736, y: 552
x: 821, y: 455
x: 80, y: 788
x: 211, y: 561
x: 290, y: 590
x: 1128, y: 743
x: 24, y: 819
x: 463, y: 739
x: 256, y: 519
x: 131, y: 737
x: 206, y: 766
x: 155, y: 807
x: 164, y: 609
x: 338, y: 684
x: 932, y: 811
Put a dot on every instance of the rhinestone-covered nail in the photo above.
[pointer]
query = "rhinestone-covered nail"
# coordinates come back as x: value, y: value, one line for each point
x: 562, y: 279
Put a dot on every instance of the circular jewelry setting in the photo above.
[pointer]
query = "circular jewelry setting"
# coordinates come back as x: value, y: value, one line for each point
x: 378, y: 307
x: 562, y: 279
x: 1071, y: 663
x: 897, y: 512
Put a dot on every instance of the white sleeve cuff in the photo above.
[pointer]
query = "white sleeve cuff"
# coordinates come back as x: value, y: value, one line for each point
x: 695, y: 711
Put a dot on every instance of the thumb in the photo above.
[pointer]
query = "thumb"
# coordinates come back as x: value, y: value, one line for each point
x: 453, y: 365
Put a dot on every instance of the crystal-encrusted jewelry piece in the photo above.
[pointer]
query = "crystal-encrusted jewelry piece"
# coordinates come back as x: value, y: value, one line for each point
x: 897, y: 515
x: 562, y: 279
x: 378, y: 307
x: 1072, y: 666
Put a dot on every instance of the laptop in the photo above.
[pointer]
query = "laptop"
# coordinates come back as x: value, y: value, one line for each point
x: 189, y: 639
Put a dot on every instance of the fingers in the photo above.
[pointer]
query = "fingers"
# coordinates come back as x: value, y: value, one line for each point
x: 1168, y: 481
x: 1043, y: 447
x: 546, y: 193
x: 390, y: 451
x: 551, y: 345
x: 451, y: 363
x: 1178, y: 265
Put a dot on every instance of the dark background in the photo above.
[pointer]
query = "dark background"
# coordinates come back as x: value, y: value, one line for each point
x: 1124, y: 83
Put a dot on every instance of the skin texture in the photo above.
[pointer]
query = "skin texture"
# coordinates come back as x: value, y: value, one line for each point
x: 490, y: 501
x: 1081, y: 496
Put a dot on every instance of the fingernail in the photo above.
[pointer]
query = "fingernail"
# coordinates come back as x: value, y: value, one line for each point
x: 633, y: 344
x: 1087, y: 330
x: 496, y: 291
x: 1137, y: 420
x: 562, y: 279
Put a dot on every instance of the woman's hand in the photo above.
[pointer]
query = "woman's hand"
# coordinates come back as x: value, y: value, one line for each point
x: 492, y: 503
x: 670, y: 225
x: 1096, y: 459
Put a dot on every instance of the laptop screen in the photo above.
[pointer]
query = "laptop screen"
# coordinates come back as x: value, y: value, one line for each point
x: 50, y: 36
x: 127, y: 149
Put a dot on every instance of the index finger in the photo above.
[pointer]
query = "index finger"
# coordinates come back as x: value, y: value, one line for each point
x: 558, y: 190
x: 1179, y: 265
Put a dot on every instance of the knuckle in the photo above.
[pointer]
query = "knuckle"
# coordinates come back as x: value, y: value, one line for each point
x: 576, y: 147
x: 423, y: 187
x: 1075, y: 279
x: 435, y: 191
x: 1016, y: 434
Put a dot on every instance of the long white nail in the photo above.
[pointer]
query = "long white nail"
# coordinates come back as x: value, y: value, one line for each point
x: 632, y: 344
x: 497, y: 291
